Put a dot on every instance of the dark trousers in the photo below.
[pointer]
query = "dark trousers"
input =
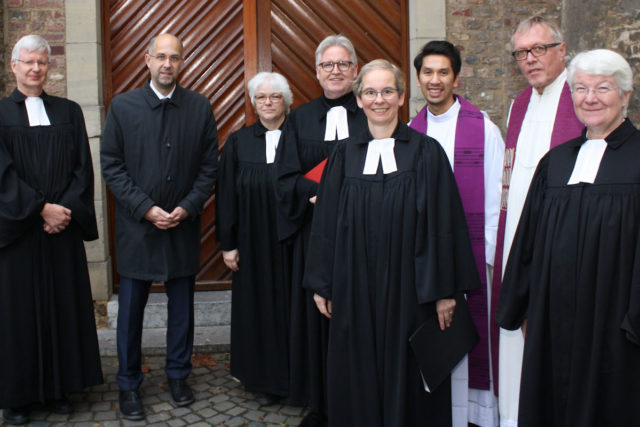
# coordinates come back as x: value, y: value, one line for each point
x: 131, y: 302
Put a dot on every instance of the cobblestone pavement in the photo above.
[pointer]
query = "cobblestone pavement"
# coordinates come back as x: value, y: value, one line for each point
x: 220, y: 400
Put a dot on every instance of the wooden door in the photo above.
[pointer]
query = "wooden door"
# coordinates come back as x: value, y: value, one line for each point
x: 226, y: 43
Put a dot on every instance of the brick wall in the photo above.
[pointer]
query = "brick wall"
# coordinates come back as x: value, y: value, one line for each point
x: 482, y: 30
x: 43, y: 17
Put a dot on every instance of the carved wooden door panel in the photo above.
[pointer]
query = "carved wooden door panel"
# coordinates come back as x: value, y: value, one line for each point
x: 226, y: 43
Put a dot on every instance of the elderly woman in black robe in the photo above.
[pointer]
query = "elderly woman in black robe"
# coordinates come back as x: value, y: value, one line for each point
x: 246, y: 228
x: 389, y: 248
x: 573, y: 275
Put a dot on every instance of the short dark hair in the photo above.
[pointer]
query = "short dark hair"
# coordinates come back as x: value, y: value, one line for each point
x: 439, y: 47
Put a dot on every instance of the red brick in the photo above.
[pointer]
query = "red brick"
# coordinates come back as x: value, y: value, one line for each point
x: 15, y: 3
x: 57, y: 50
x: 55, y: 27
x: 45, y: 3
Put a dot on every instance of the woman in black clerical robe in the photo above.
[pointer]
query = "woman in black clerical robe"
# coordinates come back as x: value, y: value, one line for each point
x: 246, y: 228
x: 573, y: 275
x: 388, y: 243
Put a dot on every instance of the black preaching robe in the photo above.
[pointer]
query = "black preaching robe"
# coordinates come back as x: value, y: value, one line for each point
x: 162, y: 153
x: 574, y: 272
x: 47, y: 326
x: 384, y: 248
x: 246, y: 220
x: 301, y: 149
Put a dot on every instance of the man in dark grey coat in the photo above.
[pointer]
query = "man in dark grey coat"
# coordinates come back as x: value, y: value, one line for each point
x: 159, y: 159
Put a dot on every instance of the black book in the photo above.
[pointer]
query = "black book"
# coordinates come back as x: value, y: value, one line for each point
x: 438, y: 351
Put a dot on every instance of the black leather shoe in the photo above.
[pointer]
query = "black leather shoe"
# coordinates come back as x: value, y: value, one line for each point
x: 131, y: 407
x: 16, y: 416
x: 180, y: 392
x: 62, y: 406
x: 313, y: 419
x: 266, y: 399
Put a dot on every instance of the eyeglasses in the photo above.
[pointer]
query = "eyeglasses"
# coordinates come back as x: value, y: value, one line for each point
x: 370, y: 94
x: 537, y: 50
x: 31, y: 63
x: 328, y: 66
x: 600, y: 90
x: 174, y: 59
x: 262, y: 98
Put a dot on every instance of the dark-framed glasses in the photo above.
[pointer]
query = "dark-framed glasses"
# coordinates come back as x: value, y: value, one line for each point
x: 537, y: 50
x: 261, y: 98
x: 31, y: 63
x: 600, y: 90
x: 161, y: 57
x: 328, y: 66
x: 371, y: 94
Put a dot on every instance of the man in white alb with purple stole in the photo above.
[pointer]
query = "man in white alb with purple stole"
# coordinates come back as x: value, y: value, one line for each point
x: 475, y: 150
x: 539, y: 120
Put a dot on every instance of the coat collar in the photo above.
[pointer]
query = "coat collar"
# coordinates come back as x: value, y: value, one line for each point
x: 153, y: 100
x: 400, y: 134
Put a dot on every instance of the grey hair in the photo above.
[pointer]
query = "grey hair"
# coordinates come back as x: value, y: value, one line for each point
x: 336, y: 40
x: 153, y: 42
x: 603, y: 62
x: 379, y: 64
x: 30, y: 43
x: 528, y: 23
x: 278, y: 84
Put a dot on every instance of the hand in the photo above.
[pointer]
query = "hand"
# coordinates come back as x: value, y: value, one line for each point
x: 323, y: 304
x: 313, y: 199
x: 524, y: 328
x: 56, y: 218
x: 159, y: 217
x: 445, y: 308
x: 178, y: 215
x: 231, y: 259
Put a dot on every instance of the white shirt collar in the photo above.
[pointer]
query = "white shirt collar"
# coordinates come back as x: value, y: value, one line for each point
x: 160, y: 95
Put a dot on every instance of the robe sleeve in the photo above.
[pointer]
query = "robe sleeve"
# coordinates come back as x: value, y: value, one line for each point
x: 78, y: 196
x: 293, y: 190
x: 194, y: 201
x: 513, y: 303
x: 320, y: 256
x: 20, y: 204
x: 227, y: 197
x: 631, y: 321
x: 444, y: 262
x: 114, y: 170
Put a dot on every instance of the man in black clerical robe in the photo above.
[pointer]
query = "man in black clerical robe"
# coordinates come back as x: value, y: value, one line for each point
x: 159, y: 159
x: 574, y: 275
x: 309, y: 136
x: 47, y: 326
x: 383, y: 249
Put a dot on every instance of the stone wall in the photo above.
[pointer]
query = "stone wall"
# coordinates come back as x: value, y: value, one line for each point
x: 43, y: 17
x: 482, y: 30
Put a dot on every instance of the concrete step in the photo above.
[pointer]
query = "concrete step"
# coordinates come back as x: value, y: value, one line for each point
x: 212, y: 317
x: 211, y: 308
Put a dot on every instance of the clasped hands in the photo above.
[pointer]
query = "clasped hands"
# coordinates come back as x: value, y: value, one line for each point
x: 56, y: 218
x: 165, y: 220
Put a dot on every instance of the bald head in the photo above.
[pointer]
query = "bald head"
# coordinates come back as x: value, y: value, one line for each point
x: 164, y: 60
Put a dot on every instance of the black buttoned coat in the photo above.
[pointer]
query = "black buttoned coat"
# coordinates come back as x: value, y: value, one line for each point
x: 162, y: 153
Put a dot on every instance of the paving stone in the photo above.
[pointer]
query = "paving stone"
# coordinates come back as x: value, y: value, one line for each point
x: 106, y: 416
x: 101, y: 406
x: 218, y: 419
x: 161, y: 416
x: 236, y: 410
x: 181, y: 411
x: 192, y: 418
x: 81, y: 416
x: 223, y: 406
x: 255, y: 415
x: 275, y: 418
x: 164, y: 406
x: 207, y: 413
x: 176, y: 423
x: 219, y: 398
x: 292, y: 410
x: 234, y: 422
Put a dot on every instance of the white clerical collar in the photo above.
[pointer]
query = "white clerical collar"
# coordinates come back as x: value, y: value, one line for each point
x: 588, y: 161
x: 159, y: 94
x: 450, y: 114
x: 553, y: 87
x: 272, y: 137
x: 336, y: 123
x: 36, y: 111
x: 380, y: 149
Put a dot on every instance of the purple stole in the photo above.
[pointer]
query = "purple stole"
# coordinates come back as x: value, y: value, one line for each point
x: 565, y: 127
x: 469, y: 174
